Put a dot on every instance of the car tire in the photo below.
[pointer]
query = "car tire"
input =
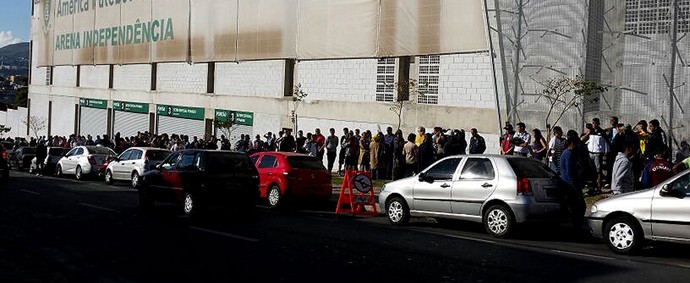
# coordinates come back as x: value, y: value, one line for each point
x: 78, y: 173
x: 498, y: 221
x: 135, y: 180
x: 623, y: 235
x: 397, y: 211
x: 108, y: 177
x: 190, y: 204
x: 58, y: 171
x: 274, y: 198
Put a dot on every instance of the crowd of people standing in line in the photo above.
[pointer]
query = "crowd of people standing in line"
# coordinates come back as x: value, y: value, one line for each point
x: 617, y: 159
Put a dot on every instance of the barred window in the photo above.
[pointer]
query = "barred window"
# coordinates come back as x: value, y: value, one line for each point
x: 427, y: 85
x: 385, y: 80
x: 655, y: 16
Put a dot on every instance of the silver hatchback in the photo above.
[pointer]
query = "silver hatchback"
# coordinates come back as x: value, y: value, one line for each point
x: 498, y: 191
x: 661, y: 213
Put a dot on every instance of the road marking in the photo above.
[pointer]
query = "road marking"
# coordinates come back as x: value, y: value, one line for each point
x: 29, y: 192
x: 224, y: 234
x: 97, y: 207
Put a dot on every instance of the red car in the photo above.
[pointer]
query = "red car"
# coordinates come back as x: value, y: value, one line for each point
x: 287, y: 175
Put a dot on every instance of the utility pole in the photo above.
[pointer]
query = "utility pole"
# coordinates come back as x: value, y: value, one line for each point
x: 516, y: 78
x: 672, y: 79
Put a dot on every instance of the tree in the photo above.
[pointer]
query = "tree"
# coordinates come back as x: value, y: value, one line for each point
x: 4, y: 130
x: 408, y: 92
x: 21, y: 97
x: 298, y: 96
x: 35, y: 124
x: 226, y: 127
x: 565, y: 93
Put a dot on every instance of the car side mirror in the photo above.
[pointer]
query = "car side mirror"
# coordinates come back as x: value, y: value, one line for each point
x: 422, y: 177
x: 669, y: 192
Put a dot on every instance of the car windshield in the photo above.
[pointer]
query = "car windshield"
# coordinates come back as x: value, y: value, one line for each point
x: 29, y: 150
x: 101, y: 150
x: 157, y: 154
x: 530, y: 168
x: 304, y: 162
x: 217, y: 162
x: 58, y: 151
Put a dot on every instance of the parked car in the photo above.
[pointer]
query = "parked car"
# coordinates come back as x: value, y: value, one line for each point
x: 84, y: 160
x: 21, y: 158
x: 498, y: 191
x: 200, y: 179
x: 132, y: 163
x: 661, y: 213
x: 286, y: 175
x: 54, y: 154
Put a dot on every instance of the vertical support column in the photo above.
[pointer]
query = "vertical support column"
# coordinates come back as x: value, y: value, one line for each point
x: 209, y: 129
x: 77, y: 111
x: 672, y: 79
x: 78, y: 75
x: 50, y: 118
x: 109, y: 123
x: 403, y: 78
x: 111, y: 76
x: 289, y: 77
x: 152, y: 123
x: 516, y: 75
x: 28, y: 116
x: 154, y: 77
x: 211, y: 78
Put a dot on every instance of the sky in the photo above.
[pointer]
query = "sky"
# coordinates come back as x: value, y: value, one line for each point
x: 15, y: 21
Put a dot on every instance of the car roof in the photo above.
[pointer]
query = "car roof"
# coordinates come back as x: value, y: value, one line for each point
x: 147, y: 148
x: 283, y: 153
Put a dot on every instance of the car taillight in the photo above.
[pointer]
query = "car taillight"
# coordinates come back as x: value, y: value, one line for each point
x: 4, y: 154
x: 523, y: 187
x: 91, y: 159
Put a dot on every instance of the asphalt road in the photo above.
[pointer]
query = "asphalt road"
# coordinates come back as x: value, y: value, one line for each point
x: 63, y: 230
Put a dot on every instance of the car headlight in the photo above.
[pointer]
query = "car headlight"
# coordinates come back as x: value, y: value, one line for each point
x: 593, y: 209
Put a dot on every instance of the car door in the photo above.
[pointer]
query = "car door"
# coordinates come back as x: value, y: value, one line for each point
x: 477, y: 181
x: 73, y: 160
x: 118, y: 166
x: 433, y: 194
x: 268, y: 172
x: 132, y: 162
x: 671, y: 213
x: 183, y: 174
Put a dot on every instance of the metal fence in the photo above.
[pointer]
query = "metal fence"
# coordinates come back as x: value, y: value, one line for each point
x: 625, y: 45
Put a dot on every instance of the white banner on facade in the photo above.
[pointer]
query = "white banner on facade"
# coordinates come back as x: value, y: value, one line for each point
x: 77, y: 32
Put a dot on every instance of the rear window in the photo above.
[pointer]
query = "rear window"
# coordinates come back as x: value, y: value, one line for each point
x: 157, y: 154
x: 7, y: 146
x: 29, y: 150
x: 305, y: 162
x: 218, y: 162
x: 58, y: 151
x: 530, y: 168
x: 101, y: 150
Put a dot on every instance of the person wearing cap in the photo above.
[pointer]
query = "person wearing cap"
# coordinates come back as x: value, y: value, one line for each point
x: 506, y: 144
x: 477, y: 142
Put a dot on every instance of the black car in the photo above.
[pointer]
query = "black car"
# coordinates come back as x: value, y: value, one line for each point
x: 199, y: 179
x: 22, y: 158
x: 53, y: 155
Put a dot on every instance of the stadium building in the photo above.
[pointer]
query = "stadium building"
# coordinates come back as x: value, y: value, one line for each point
x: 176, y: 66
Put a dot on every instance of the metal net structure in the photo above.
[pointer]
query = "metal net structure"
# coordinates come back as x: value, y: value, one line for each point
x: 637, y: 49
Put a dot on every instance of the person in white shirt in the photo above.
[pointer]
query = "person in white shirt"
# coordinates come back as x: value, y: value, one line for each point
x: 522, y: 149
x: 597, y: 145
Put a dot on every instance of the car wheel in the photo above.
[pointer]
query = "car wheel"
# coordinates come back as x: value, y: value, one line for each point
x: 78, y: 173
x: 274, y: 198
x: 623, y: 235
x: 397, y: 211
x: 108, y: 177
x: 189, y: 204
x: 146, y: 201
x: 135, y: 180
x: 58, y: 171
x: 498, y: 221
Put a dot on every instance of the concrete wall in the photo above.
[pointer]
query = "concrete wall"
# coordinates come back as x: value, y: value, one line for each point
x: 95, y: 76
x: 254, y: 78
x: 182, y: 77
x: 65, y: 76
x: 132, y: 77
x: 338, y: 80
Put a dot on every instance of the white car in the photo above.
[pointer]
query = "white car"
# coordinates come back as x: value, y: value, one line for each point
x: 132, y: 163
x: 84, y: 160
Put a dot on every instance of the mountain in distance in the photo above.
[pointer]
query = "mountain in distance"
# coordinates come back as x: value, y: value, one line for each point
x: 14, y: 59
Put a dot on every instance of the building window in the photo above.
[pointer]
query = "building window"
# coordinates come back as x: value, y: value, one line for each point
x: 655, y: 16
x: 385, y: 80
x: 427, y: 84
